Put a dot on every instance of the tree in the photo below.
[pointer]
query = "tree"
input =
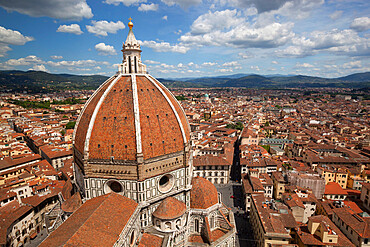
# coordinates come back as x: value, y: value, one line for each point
x: 238, y: 126
x: 70, y: 125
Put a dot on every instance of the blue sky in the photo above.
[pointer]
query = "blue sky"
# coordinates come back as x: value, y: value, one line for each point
x: 188, y: 38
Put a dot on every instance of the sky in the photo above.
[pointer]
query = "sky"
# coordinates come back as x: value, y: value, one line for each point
x: 188, y: 38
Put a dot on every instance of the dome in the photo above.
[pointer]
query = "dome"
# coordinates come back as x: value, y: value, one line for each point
x: 124, y: 118
x: 169, y: 209
x: 203, y: 193
x: 131, y: 119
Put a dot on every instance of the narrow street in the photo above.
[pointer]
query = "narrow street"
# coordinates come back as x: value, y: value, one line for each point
x: 244, y: 235
x: 232, y: 197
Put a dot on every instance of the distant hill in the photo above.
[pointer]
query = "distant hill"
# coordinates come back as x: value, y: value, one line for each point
x: 359, y: 77
x: 38, y: 81
x: 43, y: 82
x: 251, y: 81
x: 360, y: 80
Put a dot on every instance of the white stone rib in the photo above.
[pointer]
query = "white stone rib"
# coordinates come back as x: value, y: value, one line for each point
x: 136, y: 114
x: 93, y: 117
x: 85, y: 106
x: 172, y: 107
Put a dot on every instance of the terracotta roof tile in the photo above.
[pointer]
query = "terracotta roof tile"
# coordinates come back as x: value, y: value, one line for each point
x: 170, y: 208
x: 203, y: 194
x: 150, y: 240
x: 98, y: 222
x: 333, y: 188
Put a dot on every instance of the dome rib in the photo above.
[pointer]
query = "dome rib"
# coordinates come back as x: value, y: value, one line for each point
x: 171, y: 105
x: 136, y: 114
x: 79, y: 141
x: 95, y: 113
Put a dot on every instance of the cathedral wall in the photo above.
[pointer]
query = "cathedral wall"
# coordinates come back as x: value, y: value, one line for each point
x: 150, y: 190
x: 161, y: 165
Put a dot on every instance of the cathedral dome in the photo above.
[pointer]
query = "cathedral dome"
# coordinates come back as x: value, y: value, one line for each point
x: 131, y: 120
x: 203, y: 194
x: 126, y: 117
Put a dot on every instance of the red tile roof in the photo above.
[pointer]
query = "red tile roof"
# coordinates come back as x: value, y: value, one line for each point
x: 98, y: 222
x: 150, y: 240
x: 333, y: 188
x: 170, y: 208
x: 203, y: 193
x: 210, y: 160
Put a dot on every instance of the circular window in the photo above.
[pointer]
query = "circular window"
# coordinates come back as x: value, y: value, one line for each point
x: 113, y: 186
x: 165, y: 183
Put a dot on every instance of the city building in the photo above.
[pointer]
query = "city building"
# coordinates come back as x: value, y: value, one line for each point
x: 215, y: 169
x: 272, y: 222
x: 320, y: 231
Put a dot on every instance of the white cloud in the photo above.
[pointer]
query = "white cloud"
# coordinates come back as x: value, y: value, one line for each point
x: 151, y: 62
x: 304, y: 65
x: 167, y: 66
x: 58, y: 9
x: 352, y: 65
x: 104, y: 49
x: 4, y: 49
x: 125, y: 2
x: 73, y: 28
x: 337, y: 14
x: 224, y: 70
x: 361, y: 24
x: 78, y: 63
x: 255, y: 68
x: 209, y: 64
x: 102, y: 28
x: 56, y: 57
x: 245, y: 55
x: 39, y: 67
x: 164, y: 46
x: 231, y: 64
x: 217, y: 20
x: 165, y: 18
x: 344, y: 42
x: 148, y: 7
x: 274, y: 62
x: 11, y: 37
x: 182, y: 3
x: 229, y: 28
x: 32, y: 59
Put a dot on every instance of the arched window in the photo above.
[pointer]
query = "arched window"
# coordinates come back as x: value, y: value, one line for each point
x: 212, y: 221
x: 132, y: 238
x: 168, y: 225
x: 178, y: 224
x: 196, y: 224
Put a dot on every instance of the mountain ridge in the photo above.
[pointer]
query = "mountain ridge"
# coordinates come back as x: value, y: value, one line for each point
x: 42, y: 82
